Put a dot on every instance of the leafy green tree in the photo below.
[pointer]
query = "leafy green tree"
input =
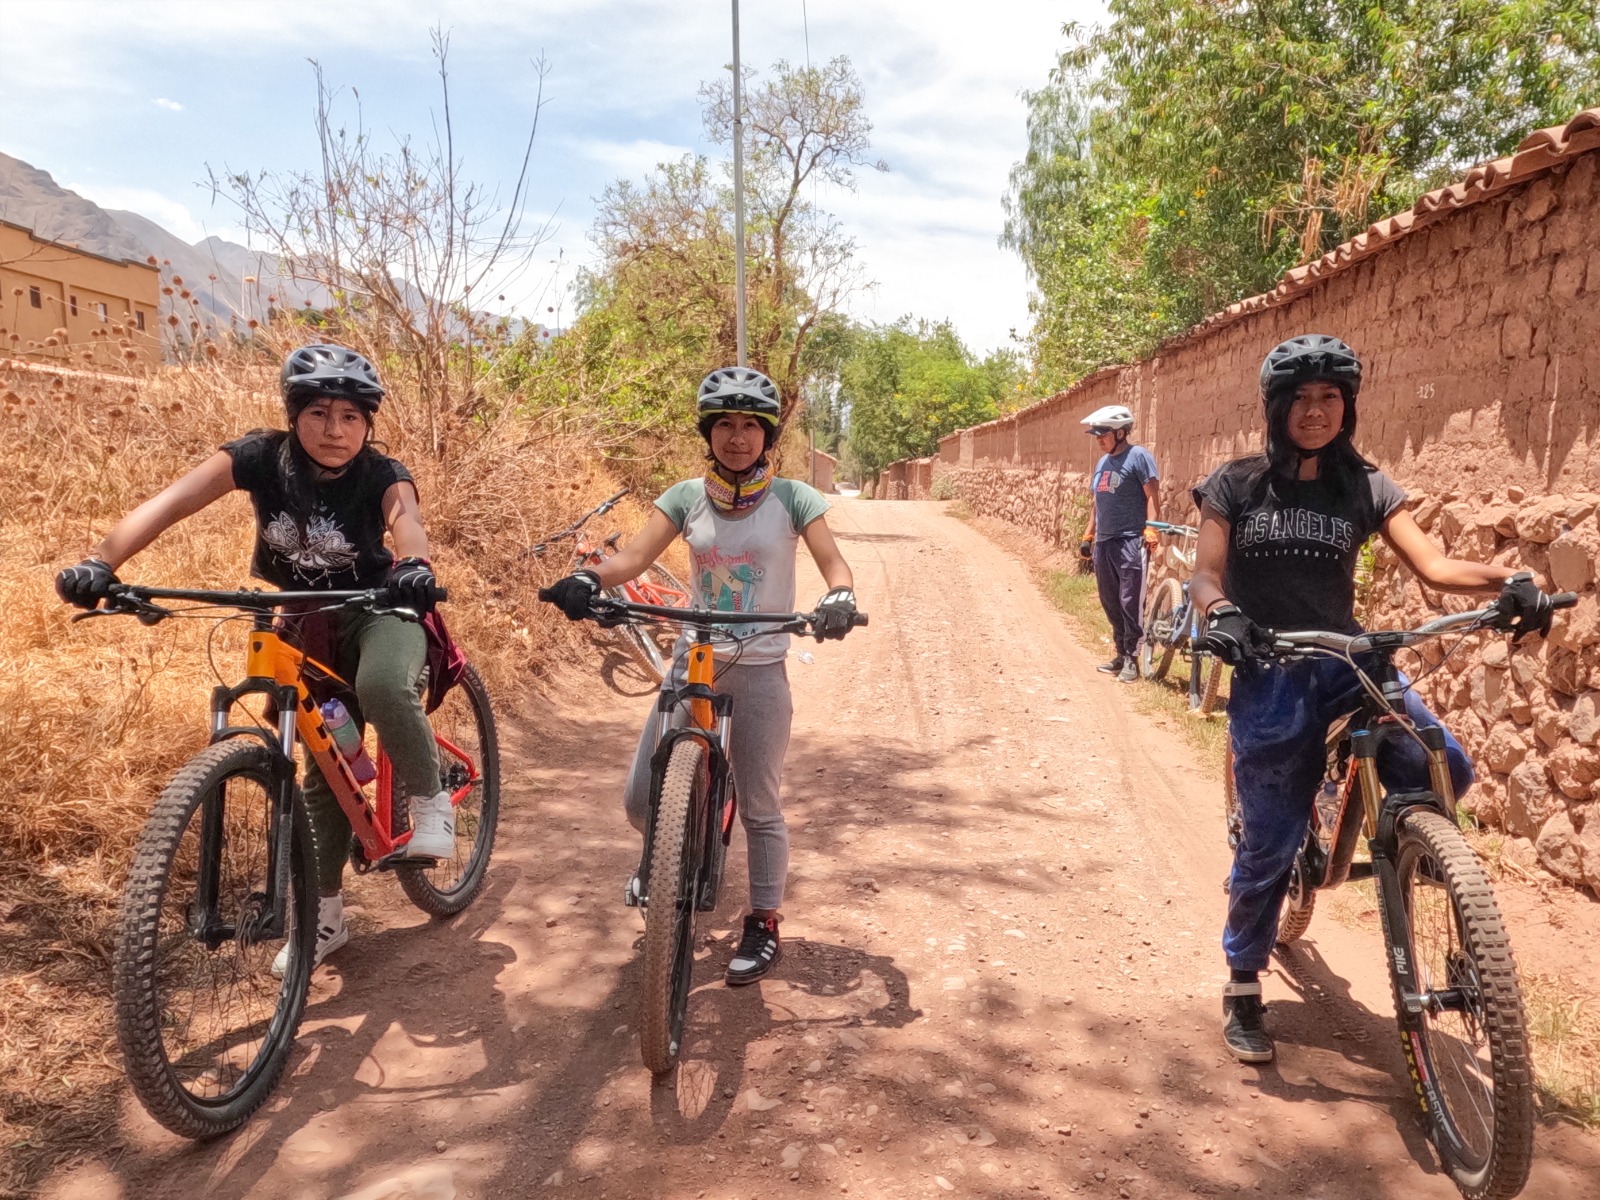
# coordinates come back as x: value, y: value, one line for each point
x: 1200, y: 148
x: 908, y: 384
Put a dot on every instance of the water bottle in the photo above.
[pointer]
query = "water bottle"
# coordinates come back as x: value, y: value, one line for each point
x: 342, y: 728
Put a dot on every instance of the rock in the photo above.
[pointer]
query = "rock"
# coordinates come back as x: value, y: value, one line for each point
x: 1524, y: 665
x: 1453, y: 519
x: 793, y: 1153
x: 550, y: 922
x: 1487, y: 687
x: 754, y: 1101
x: 1548, y: 724
x: 954, y: 983
x: 955, y: 1089
x: 1571, y: 567
x: 1574, y: 768
x: 1579, y: 626
x: 944, y: 1183
x: 1529, y: 801
x: 1427, y: 512
x: 1475, y: 542
x: 1542, y: 520
x: 853, y: 1040
x: 1515, y: 494
x: 1584, y: 723
x: 1558, y: 848
x: 984, y: 1138
x: 1505, y: 748
x: 814, y: 1066
x: 1522, y: 852
x: 1501, y: 518
x: 1520, y: 709
x: 1563, y: 673
x: 1496, y: 654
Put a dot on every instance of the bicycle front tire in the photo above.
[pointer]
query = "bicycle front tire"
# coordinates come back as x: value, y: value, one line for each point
x: 671, y: 905
x: 1158, y: 645
x: 1470, y: 1062
x: 446, y: 888
x: 206, y: 1030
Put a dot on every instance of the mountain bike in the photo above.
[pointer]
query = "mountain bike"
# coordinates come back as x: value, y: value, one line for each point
x: 1173, y: 624
x: 657, y: 586
x: 222, y: 875
x: 1456, y: 996
x: 693, y: 802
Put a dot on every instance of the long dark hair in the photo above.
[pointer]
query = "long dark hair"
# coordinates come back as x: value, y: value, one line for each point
x: 1341, y: 467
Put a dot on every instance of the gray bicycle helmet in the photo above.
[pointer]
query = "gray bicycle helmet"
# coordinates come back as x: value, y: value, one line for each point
x: 324, y: 370
x: 739, y: 390
x: 1306, y: 359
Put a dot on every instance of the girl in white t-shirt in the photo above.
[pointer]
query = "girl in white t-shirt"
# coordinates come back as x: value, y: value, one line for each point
x: 743, y: 528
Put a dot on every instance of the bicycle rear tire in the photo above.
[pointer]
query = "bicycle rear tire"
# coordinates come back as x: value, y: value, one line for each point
x: 1434, y: 863
x: 1209, y: 667
x: 671, y: 904
x: 444, y: 889
x: 1158, y: 645
x: 160, y: 966
x: 636, y: 641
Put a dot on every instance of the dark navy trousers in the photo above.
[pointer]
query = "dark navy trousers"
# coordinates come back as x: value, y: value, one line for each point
x: 1119, y: 571
x: 1278, y: 718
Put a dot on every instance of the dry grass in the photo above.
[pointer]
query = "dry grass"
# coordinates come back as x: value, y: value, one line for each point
x: 95, y: 716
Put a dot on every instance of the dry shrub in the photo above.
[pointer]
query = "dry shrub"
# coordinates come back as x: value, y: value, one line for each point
x: 95, y: 716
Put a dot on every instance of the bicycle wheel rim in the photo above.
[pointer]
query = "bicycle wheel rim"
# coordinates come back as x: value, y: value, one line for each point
x: 1160, y: 639
x: 469, y: 767
x: 1470, y: 1060
x: 202, y: 1021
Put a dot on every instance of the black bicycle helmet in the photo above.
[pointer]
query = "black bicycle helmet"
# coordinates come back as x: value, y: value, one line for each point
x: 1307, y: 359
x: 323, y: 370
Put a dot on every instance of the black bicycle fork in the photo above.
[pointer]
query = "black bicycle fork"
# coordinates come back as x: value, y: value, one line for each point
x: 711, y: 828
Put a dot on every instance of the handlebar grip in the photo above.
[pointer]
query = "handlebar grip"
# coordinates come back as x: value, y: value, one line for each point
x: 856, y: 619
x: 1563, y: 599
x: 438, y: 595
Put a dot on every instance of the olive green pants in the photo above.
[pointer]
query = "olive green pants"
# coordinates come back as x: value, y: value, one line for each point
x: 384, y: 657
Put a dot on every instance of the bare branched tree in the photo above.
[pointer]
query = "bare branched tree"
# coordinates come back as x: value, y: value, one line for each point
x: 407, y: 246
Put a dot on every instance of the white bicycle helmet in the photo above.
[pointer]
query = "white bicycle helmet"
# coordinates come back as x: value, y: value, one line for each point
x: 1112, y: 416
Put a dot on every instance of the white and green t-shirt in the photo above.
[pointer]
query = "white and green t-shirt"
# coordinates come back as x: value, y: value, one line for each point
x: 745, y: 563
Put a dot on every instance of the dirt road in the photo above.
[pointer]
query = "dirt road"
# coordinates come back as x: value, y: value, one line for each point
x: 1001, y: 974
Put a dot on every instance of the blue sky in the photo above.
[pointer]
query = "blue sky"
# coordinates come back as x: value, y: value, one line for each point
x: 128, y: 103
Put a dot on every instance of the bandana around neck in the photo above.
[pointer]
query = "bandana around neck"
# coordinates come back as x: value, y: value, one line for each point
x: 730, y: 497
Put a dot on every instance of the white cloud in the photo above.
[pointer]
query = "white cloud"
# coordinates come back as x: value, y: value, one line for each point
x: 169, y: 105
x: 633, y: 159
x: 172, y: 215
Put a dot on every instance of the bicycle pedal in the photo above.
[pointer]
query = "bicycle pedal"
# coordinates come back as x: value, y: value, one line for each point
x: 631, y: 896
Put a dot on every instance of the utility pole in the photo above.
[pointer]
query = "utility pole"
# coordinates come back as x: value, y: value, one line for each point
x: 738, y: 191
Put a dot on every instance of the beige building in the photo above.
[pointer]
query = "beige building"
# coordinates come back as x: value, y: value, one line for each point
x: 62, y: 304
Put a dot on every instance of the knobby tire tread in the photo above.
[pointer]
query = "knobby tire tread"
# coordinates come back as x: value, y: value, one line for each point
x: 1213, y: 685
x: 670, y: 877
x: 138, y: 1006
x: 413, y: 878
x: 1156, y: 660
x: 1484, y: 939
x: 635, y: 643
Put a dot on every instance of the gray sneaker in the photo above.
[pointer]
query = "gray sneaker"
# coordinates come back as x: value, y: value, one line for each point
x: 1112, y: 667
x: 1242, y: 1029
x: 1129, y: 672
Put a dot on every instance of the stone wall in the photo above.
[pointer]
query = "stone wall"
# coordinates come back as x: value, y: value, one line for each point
x: 1477, y: 316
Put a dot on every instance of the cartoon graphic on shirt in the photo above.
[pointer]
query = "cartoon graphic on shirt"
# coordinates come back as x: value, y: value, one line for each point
x: 1107, y: 481
x: 314, y: 554
x: 728, y: 582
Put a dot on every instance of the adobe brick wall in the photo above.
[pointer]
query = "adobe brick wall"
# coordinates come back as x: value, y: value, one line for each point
x: 1480, y: 333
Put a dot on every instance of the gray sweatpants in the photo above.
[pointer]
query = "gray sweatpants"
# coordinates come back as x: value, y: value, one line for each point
x: 762, y: 712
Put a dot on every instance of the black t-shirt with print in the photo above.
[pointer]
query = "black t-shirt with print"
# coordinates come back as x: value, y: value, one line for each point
x: 1292, y: 547
x: 339, y: 546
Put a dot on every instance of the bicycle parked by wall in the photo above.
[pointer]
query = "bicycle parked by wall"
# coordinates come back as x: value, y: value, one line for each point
x: 1173, y: 624
x: 693, y: 804
x: 222, y: 876
x: 657, y: 586
x: 1456, y: 995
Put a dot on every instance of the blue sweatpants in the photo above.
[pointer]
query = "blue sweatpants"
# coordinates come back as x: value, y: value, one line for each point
x: 1119, y: 572
x: 1278, y: 718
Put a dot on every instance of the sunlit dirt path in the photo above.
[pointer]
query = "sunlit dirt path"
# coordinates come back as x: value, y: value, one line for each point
x: 1001, y: 974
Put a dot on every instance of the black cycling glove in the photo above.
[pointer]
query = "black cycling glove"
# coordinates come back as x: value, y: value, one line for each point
x: 834, y: 612
x: 1524, y: 608
x: 574, y: 594
x: 411, y: 584
x: 1086, y: 549
x: 86, y: 584
x: 1234, y: 637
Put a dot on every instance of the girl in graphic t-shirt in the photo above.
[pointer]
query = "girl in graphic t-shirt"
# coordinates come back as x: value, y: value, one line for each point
x: 1279, y: 536
x: 323, y: 499
x: 743, y: 528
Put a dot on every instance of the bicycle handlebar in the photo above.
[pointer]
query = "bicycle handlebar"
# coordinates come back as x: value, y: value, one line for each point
x: 604, y: 507
x: 1306, y: 642
x: 1175, y: 530
x: 604, y: 609
x: 131, y: 599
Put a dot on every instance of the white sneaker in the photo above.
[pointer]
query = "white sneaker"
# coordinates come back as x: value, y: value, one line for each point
x: 433, y: 824
x: 332, y: 933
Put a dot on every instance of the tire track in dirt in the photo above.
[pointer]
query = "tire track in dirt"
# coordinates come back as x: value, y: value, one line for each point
x: 1001, y: 971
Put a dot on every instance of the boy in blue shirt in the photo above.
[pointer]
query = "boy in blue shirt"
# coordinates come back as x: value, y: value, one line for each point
x: 1127, y: 493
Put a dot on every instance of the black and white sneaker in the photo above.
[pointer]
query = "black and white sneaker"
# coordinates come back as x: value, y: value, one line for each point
x: 759, y: 951
x: 1242, y: 1030
x: 1114, y: 667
